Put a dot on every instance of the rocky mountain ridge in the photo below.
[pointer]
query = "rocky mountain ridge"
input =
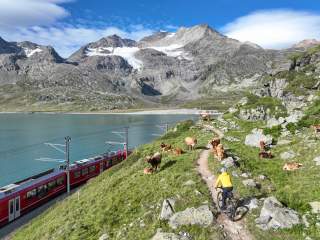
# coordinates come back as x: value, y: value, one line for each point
x: 164, y: 67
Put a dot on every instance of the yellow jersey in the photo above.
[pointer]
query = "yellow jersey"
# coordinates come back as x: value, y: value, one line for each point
x: 224, y: 180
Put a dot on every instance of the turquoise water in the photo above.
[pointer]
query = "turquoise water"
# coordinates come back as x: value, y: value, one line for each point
x: 23, y: 138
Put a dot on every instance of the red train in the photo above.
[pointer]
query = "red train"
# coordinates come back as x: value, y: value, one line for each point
x: 23, y: 196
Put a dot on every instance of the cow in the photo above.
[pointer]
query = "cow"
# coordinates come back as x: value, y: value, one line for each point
x: 178, y: 151
x: 214, y: 142
x: 205, y: 116
x: 220, y: 152
x: 155, y: 160
x: 190, y: 142
x: 265, y: 154
x: 291, y: 166
x: 148, y: 170
x: 316, y: 128
x: 262, y: 146
x: 165, y: 147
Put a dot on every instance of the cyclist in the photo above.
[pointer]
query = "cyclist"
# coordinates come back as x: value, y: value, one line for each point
x: 224, y: 181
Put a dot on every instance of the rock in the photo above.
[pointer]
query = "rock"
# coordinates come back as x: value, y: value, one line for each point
x: 245, y: 175
x: 294, y: 117
x: 287, y: 155
x: 228, y: 162
x: 317, y: 160
x: 201, y: 216
x: 168, y: 236
x: 249, y: 183
x: 167, y: 208
x: 252, y: 204
x: 315, y: 207
x: 256, y: 136
x: 274, y: 215
x: 104, y: 237
x: 235, y: 174
x: 254, y: 114
x: 232, y: 110
x: 305, y: 221
x: 262, y: 177
x: 272, y: 122
x: 189, y: 183
x: 231, y: 139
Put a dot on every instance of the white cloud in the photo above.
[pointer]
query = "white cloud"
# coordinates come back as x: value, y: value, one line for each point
x: 67, y: 39
x: 38, y: 21
x: 275, y: 28
x: 25, y: 13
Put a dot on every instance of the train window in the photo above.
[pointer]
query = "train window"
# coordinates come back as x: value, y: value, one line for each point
x: 84, y: 171
x: 32, y: 193
x: 76, y: 174
x: 60, y: 181
x: 52, y: 185
x: 92, y: 168
x: 42, y: 190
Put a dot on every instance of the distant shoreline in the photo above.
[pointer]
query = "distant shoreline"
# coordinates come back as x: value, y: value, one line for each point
x: 181, y: 111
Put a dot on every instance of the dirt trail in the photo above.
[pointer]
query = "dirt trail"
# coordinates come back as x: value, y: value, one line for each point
x: 234, y: 230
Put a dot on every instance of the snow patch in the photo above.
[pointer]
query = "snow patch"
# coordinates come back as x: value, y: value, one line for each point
x: 174, y: 50
x: 125, y: 52
x: 29, y: 52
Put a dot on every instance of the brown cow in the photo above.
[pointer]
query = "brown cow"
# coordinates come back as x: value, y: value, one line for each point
x: 316, y: 128
x: 178, y: 151
x: 220, y: 152
x: 155, y: 160
x: 165, y: 147
x: 214, y: 142
x: 190, y: 142
x: 262, y: 146
x: 291, y: 166
x: 148, y: 170
x: 265, y: 154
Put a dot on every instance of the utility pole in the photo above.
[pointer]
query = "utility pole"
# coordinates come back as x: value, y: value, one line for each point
x: 126, y: 130
x: 67, y: 141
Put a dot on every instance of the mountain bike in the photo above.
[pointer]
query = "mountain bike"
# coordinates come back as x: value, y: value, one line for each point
x: 231, y: 205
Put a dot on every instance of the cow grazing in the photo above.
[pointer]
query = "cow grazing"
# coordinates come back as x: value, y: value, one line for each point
x: 165, y: 147
x: 262, y: 146
x: 265, y: 154
x: 220, y: 152
x: 178, y: 151
x: 291, y: 166
x: 214, y: 142
x: 190, y: 142
x: 155, y: 160
x: 148, y: 170
x: 205, y: 116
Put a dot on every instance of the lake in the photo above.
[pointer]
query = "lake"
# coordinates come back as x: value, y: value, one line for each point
x: 23, y: 138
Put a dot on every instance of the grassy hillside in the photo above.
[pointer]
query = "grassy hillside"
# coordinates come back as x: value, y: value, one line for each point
x: 294, y: 189
x: 125, y: 203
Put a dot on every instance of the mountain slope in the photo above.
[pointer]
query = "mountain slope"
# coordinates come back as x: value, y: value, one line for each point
x: 185, y: 65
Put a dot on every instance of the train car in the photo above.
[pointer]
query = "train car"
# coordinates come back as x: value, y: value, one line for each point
x: 23, y: 196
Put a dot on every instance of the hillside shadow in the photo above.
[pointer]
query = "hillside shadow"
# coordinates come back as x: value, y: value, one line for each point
x: 202, y: 148
x: 167, y: 165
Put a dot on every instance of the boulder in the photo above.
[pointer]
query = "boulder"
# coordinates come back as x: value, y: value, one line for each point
x: 249, y: 183
x: 201, y: 216
x: 294, y: 117
x: 256, y: 136
x: 228, y: 162
x: 167, y: 209
x: 287, y: 155
x: 274, y: 215
x: 315, y: 207
x: 104, y: 237
x: 245, y: 175
x: 254, y: 114
x: 253, y: 203
x: 317, y: 160
x: 168, y: 236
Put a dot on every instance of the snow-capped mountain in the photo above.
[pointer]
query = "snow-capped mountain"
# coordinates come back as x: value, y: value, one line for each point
x: 184, y: 64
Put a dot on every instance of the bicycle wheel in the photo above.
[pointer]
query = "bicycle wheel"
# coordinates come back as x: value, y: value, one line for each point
x: 232, y: 207
x: 219, y: 199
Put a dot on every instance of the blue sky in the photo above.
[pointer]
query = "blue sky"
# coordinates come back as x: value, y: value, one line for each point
x: 69, y: 24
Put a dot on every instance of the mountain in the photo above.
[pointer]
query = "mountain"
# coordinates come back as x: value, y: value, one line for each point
x: 307, y: 43
x: 187, y: 64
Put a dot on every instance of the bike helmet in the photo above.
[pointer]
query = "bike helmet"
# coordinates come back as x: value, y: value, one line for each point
x: 222, y: 170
